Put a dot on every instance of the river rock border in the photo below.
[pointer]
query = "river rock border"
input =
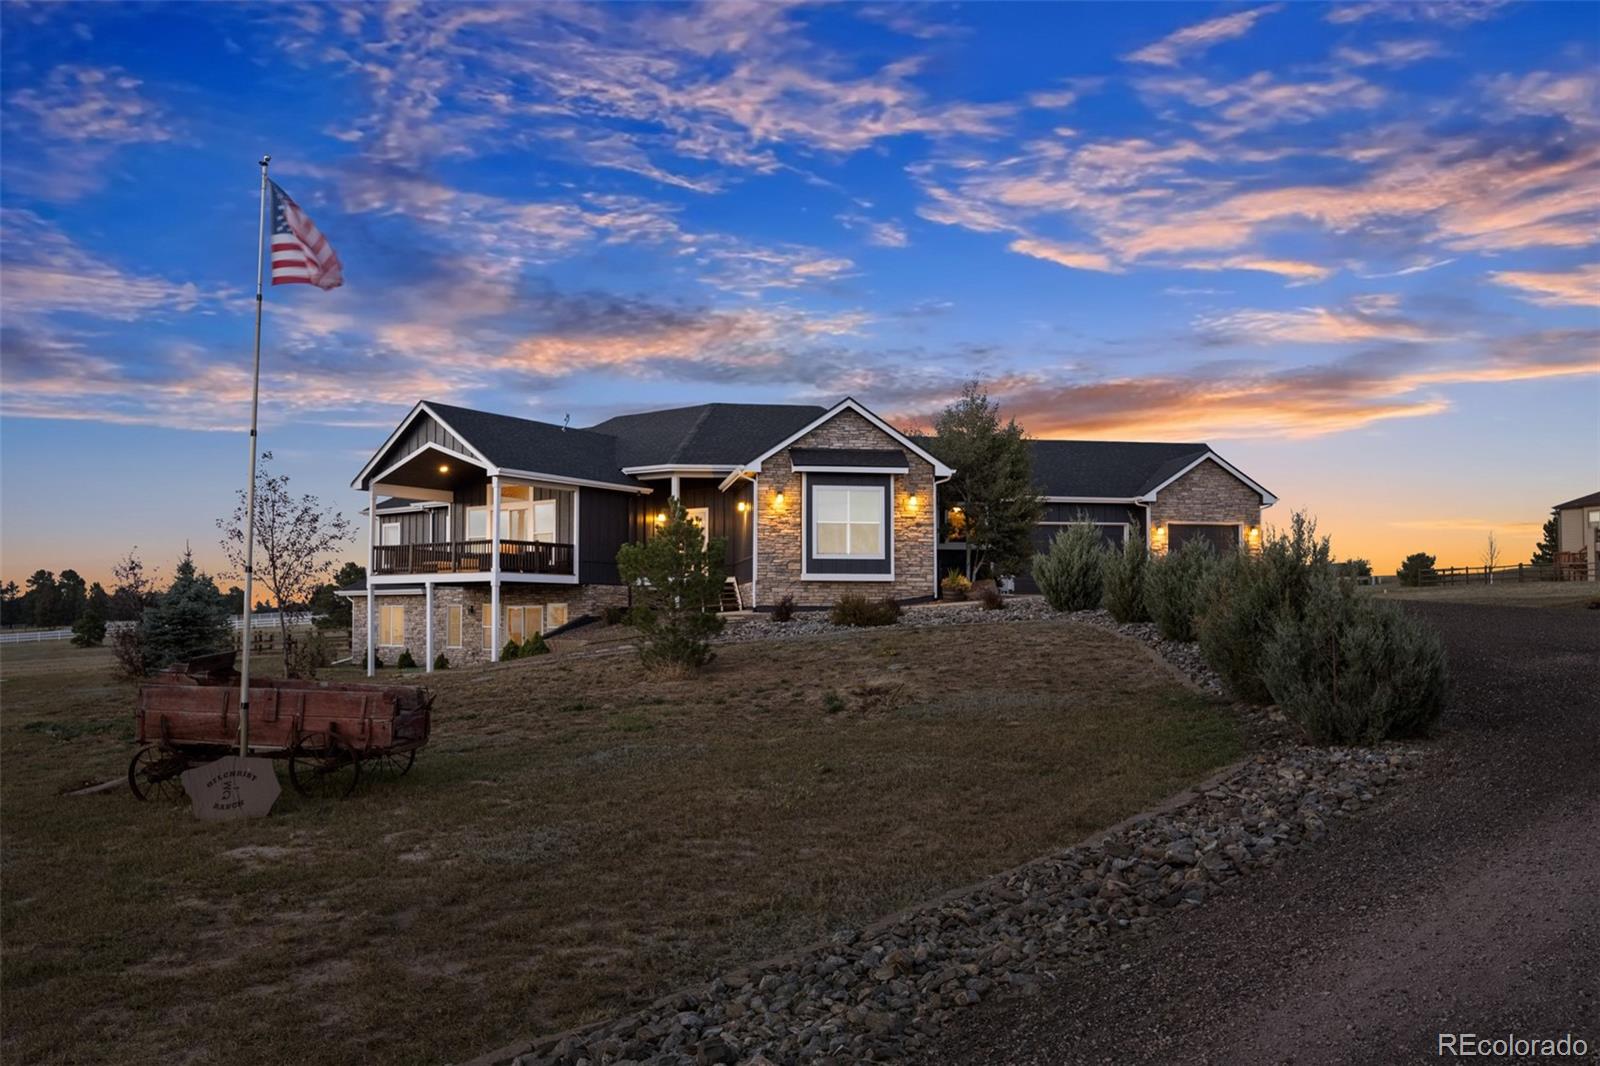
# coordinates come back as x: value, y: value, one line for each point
x: 883, y: 994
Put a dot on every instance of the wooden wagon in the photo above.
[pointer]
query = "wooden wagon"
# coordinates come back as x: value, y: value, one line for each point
x: 327, y: 731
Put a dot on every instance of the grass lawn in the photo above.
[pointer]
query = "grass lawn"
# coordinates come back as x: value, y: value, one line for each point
x: 578, y: 838
x: 1502, y: 593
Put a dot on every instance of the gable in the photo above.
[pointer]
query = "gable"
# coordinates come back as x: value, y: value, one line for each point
x: 1213, y: 478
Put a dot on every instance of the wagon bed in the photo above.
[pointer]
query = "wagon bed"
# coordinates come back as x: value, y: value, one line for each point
x: 326, y: 729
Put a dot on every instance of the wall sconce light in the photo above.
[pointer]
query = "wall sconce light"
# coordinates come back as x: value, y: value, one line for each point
x: 661, y: 518
x: 955, y: 510
x: 778, y: 498
x: 1161, y: 532
x: 444, y: 468
x: 742, y: 506
x: 911, y: 502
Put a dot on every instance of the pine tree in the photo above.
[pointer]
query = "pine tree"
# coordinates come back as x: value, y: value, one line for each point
x: 993, y: 482
x: 1549, y: 541
x: 188, y: 620
x: 677, y: 576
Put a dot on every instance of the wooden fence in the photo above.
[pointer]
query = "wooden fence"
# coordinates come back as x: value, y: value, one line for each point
x: 1482, y: 575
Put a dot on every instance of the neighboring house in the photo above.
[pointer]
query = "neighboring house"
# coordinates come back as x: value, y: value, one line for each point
x: 812, y: 503
x: 1577, y: 531
x: 1168, y: 494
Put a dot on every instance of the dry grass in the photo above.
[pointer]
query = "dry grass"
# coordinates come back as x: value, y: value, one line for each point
x: 1500, y: 594
x: 578, y: 838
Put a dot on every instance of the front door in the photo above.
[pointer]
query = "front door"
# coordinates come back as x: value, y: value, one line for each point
x: 701, y: 516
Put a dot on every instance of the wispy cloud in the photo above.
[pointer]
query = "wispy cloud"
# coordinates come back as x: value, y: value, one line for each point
x: 1391, y: 54
x: 44, y: 272
x: 1062, y: 254
x: 885, y: 233
x: 77, y: 117
x: 1361, y: 321
x: 1177, y: 45
x: 1447, y: 12
x: 1579, y: 287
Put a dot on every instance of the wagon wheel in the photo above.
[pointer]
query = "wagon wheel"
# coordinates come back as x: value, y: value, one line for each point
x: 155, y: 775
x: 393, y: 763
x: 322, y: 769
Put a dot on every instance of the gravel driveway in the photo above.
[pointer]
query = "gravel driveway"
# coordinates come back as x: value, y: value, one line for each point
x: 1471, y: 904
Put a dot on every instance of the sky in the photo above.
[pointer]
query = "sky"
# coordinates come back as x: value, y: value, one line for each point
x: 1354, y: 247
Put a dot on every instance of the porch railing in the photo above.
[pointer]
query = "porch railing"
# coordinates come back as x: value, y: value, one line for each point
x: 473, y: 557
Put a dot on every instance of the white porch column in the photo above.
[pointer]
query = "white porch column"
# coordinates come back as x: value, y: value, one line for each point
x: 494, y: 568
x: 427, y: 622
x: 675, y: 494
x: 372, y: 558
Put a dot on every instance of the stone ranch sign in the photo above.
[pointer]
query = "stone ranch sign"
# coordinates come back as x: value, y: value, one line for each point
x: 232, y: 788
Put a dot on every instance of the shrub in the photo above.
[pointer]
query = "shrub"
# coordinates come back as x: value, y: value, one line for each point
x: 1414, y: 569
x: 127, y: 646
x: 310, y: 654
x: 832, y: 702
x: 955, y: 586
x: 1354, y: 670
x: 783, y: 610
x: 990, y: 598
x: 89, y: 631
x: 440, y: 662
x: 1124, y: 581
x: 377, y: 660
x: 510, y: 651
x: 1070, y: 573
x: 405, y: 662
x: 678, y: 576
x: 1174, y: 587
x: 613, y: 615
x: 1247, y: 595
x: 855, y: 609
x: 535, y: 645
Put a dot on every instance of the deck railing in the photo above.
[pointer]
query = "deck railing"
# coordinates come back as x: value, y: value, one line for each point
x: 473, y: 557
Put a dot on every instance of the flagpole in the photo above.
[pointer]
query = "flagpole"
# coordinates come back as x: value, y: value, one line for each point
x: 250, y: 486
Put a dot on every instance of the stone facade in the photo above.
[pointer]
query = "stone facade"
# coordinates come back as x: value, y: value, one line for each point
x: 780, y: 530
x: 474, y: 599
x: 1208, y: 493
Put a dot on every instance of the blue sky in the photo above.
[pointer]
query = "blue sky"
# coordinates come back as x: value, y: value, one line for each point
x: 1352, y: 246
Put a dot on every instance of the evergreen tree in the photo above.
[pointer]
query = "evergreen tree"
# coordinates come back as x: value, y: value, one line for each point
x: 72, y: 594
x: 1415, y: 568
x: 1549, y: 541
x: 43, y: 598
x: 189, y: 619
x: 992, y: 486
x: 99, y: 601
x: 135, y: 590
x: 677, y: 576
x: 10, y: 604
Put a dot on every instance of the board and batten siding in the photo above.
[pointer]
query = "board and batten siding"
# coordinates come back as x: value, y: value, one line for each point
x: 606, y: 521
x: 726, y: 521
x: 425, y: 430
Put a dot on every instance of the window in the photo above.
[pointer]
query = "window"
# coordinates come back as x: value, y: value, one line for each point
x: 555, y: 615
x: 544, y: 521
x: 477, y: 523
x: 520, y: 624
x: 701, y: 516
x: 452, y: 628
x: 389, y: 532
x: 391, y: 625
x: 847, y: 522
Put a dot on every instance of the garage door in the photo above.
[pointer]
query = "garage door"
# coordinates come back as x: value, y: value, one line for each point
x: 1221, y: 538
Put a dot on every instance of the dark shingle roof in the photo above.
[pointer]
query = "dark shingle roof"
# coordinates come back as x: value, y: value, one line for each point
x: 705, y: 435
x: 523, y: 444
x: 1107, y: 468
x: 881, y: 457
x: 1582, y: 501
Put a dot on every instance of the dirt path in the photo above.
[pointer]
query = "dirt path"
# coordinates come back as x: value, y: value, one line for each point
x: 1470, y: 905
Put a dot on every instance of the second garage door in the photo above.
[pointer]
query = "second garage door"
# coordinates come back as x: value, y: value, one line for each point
x: 1221, y: 538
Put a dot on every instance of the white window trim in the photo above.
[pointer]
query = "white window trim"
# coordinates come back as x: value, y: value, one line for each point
x: 382, y: 610
x: 812, y: 490
x: 384, y: 525
x: 536, y: 508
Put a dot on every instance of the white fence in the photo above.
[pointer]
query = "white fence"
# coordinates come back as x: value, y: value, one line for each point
x: 35, y: 636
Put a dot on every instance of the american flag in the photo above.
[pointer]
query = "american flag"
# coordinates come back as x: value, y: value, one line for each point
x: 301, y: 255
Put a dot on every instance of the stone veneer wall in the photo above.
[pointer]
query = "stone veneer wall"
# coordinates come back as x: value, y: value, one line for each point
x: 1208, y: 493
x: 779, y: 535
x: 580, y: 600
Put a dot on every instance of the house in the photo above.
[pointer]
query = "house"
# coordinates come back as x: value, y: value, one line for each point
x: 811, y: 502
x: 1577, y: 534
x: 1167, y: 494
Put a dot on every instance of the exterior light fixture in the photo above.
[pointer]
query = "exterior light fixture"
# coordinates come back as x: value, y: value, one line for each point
x: 444, y: 468
x: 742, y: 506
x: 911, y: 502
x: 778, y: 498
x: 661, y: 518
x: 956, y: 509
